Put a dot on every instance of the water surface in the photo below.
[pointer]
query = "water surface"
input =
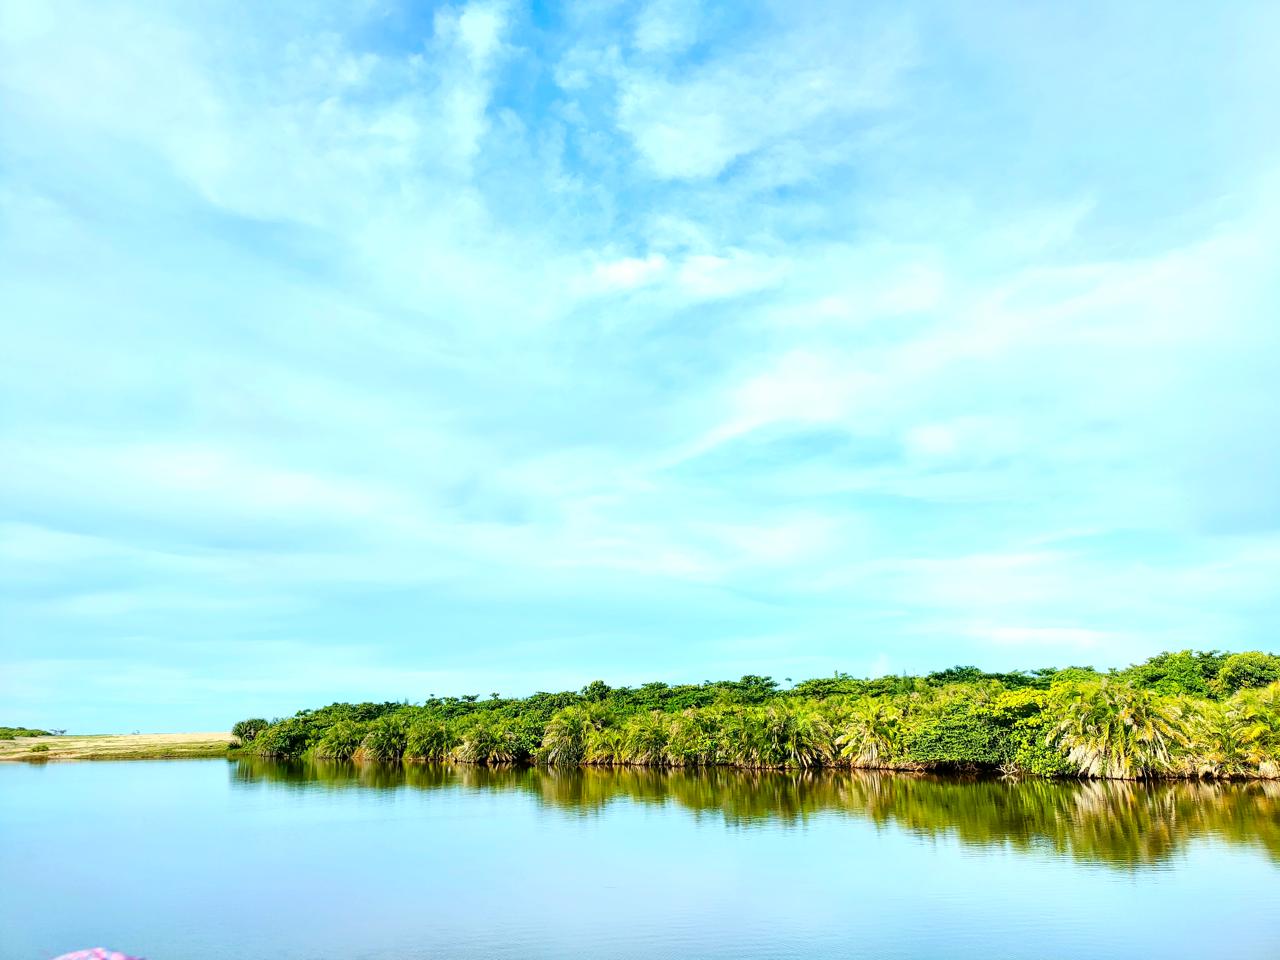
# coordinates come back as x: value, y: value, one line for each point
x: 173, y: 859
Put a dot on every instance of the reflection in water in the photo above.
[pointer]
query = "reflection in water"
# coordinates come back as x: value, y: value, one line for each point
x: 1114, y: 822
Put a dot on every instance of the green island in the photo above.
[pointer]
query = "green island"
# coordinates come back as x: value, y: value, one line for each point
x: 1184, y: 715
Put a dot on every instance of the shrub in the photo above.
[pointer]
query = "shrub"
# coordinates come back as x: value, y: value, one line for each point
x: 694, y: 738
x: 646, y: 736
x: 1026, y: 718
x: 341, y: 740
x: 286, y: 738
x: 606, y: 746
x: 491, y: 742
x: 429, y: 739
x: 385, y: 741
x: 1242, y: 671
x: 956, y: 736
x: 1185, y: 672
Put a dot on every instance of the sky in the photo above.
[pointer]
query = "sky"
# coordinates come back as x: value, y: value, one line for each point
x: 379, y: 350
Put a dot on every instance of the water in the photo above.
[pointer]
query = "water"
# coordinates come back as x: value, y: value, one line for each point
x: 186, y: 859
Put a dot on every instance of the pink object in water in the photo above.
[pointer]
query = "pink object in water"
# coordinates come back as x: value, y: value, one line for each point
x: 97, y: 953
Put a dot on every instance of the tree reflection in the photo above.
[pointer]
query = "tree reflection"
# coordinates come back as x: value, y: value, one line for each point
x: 1108, y: 821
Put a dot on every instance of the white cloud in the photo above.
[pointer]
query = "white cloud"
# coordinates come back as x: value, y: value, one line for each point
x: 710, y: 276
x: 667, y: 26
x: 1054, y: 637
x: 694, y: 125
x: 743, y: 333
x: 630, y: 272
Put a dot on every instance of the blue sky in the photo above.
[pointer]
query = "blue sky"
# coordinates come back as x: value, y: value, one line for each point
x: 380, y: 350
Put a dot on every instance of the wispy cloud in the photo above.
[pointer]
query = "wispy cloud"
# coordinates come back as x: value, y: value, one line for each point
x: 364, y: 347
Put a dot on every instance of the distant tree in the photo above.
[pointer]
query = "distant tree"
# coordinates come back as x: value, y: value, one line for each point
x: 955, y: 675
x: 1069, y: 675
x: 246, y: 731
x: 1184, y: 672
x: 596, y: 690
x: 754, y: 689
x: 1242, y: 671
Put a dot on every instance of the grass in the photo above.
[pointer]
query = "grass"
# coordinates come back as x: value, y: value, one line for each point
x: 136, y: 746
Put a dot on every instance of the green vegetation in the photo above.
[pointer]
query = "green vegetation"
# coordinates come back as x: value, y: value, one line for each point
x: 9, y: 733
x: 246, y: 730
x: 1178, y: 715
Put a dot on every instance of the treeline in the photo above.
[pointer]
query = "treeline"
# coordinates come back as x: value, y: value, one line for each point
x: 9, y: 733
x: 1178, y: 715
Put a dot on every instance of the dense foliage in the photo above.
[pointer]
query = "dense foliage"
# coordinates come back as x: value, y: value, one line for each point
x: 1186, y: 714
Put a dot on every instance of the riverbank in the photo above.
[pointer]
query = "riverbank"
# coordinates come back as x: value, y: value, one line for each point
x: 1183, y: 715
x: 107, y: 746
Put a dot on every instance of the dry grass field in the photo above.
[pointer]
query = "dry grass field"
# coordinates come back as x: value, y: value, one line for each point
x: 136, y: 746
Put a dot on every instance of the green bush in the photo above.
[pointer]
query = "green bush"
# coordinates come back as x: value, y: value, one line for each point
x: 385, y: 741
x: 286, y: 738
x: 9, y: 733
x: 1242, y: 671
x: 430, y: 739
x: 1187, y: 672
x: 493, y: 742
x: 958, y: 737
x: 341, y: 741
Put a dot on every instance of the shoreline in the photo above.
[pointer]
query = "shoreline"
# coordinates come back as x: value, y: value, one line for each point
x: 944, y: 771
x: 111, y: 746
x: 220, y: 746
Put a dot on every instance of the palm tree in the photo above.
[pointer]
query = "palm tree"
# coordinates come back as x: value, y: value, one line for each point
x: 385, y: 741
x: 646, y: 739
x: 340, y: 741
x: 1255, y: 719
x: 873, y: 736
x: 605, y: 746
x: 1216, y: 747
x: 1117, y: 730
x: 430, y: 740
x: 798, y: 737
x: 564, y: 743
x: 694, y: 738
x: 739, y: 738
x: 779, y: 735
x: 488, y: 742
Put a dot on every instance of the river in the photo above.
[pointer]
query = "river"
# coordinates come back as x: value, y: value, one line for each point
x: 179, y: 860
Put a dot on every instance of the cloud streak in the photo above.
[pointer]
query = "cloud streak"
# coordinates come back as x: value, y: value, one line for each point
x: 365, y: 348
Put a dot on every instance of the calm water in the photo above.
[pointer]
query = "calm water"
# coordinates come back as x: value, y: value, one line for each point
x: 253, y: 860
